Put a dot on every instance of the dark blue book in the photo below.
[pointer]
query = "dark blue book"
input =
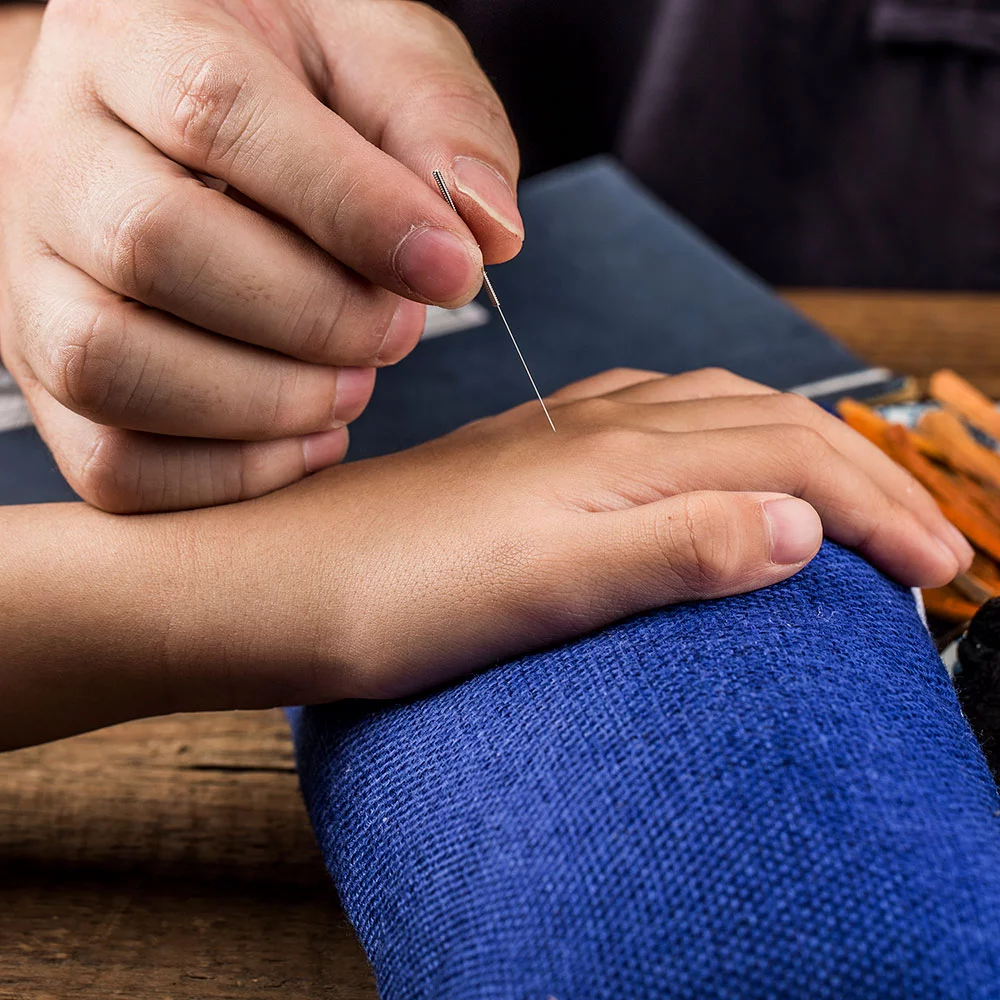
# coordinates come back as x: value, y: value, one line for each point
x: 608, y: 278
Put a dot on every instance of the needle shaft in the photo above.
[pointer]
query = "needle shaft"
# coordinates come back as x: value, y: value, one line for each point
x: 446, y: 194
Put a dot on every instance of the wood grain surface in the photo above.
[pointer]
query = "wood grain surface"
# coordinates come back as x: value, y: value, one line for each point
x: 171, y: 859
x: 914, y: 334
x: 167, y: 859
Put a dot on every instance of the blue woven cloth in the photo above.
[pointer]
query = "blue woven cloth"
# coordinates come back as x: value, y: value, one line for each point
x: 769, y: 796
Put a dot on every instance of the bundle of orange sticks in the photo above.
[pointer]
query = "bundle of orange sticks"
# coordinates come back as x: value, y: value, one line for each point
x: 960, y: 471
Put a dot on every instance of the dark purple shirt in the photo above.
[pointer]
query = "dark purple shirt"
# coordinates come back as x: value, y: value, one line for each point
x: 828, y: 142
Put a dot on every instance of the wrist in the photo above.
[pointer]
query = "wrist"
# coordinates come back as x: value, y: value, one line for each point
x: 106, y: 618
x: 237, y: 605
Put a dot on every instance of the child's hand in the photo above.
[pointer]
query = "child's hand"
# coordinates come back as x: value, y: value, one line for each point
x: 391, y: 575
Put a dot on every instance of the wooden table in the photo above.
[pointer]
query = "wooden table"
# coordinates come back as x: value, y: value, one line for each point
x: 171, y: 859
x: 168, y: 858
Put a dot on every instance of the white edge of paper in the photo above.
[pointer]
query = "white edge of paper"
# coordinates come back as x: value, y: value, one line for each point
x: 441, y: 322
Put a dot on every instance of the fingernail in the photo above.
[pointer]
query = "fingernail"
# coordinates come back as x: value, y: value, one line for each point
x: 438, y: 264
x: 403, y: 333
x: 488, y: 189
x: 957, y: 543
x: 354, y: 389
x: 950, y: 555
x: 320, y: 451
x: 796, y: 530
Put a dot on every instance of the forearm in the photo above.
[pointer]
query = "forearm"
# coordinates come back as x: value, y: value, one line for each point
x: 83, y: 613
x: 105, y: 618
x: 19, y: 26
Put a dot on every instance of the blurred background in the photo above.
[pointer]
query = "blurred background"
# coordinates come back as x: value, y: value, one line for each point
x: 849, y: 143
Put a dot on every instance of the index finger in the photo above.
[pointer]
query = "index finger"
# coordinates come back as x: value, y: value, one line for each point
x: 213, y: 97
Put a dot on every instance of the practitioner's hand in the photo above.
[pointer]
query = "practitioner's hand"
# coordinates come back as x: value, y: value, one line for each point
x: 391, y: 575
x: 215, y: 214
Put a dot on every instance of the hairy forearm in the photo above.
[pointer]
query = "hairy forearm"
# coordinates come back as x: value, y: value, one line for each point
x: 19, y: 26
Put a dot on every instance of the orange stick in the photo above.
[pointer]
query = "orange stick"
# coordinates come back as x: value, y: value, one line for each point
x: 945, y: 603
x: 974, y: 589
x: 986, y: 570
x: 870, y: 425
x: 952, y: 390
x: 986, y: 500
x: 963, y: 451
x: 863, y: 419
x: 972, y: 521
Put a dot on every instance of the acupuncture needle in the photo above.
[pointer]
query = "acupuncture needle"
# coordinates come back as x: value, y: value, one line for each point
x: 490, y: 291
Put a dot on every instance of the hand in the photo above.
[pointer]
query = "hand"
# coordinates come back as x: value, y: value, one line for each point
x: 503, y: 537
x: 387, y: 576
x: 219, y: 219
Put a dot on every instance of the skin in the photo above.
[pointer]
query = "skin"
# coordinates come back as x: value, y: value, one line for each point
x: 382, y: 578
x: 219, y: 220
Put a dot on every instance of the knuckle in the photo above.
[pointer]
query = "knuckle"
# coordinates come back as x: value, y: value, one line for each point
x: 107, y: 475
x: 718, y: 376
x: 599, y: 415
x: 85, y: 359
x: 338, y: 326
x: 724, y: 381
x: 136, y: 246
x: 315, y: 338
x: 468, y: 100
x: 699, y: 542
x: 797, y: 408
x: 803, y: 442
x: 474, y: 105
x: 808, y: 457
x: 328, y: 197
x: 418, y: 16
x: 314, y: 321
x: 290, y: 400
x: 203, y: 92
x: 624, y: 373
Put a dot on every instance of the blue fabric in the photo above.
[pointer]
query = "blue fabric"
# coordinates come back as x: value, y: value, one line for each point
x: 770, y: 796
x: 28, y: 473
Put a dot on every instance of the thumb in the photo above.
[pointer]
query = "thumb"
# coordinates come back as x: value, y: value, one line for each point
x: 698, y: 546
x: 409, y: 83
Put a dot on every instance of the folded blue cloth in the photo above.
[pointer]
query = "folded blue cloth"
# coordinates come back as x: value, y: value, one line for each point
x: 770, y: 796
